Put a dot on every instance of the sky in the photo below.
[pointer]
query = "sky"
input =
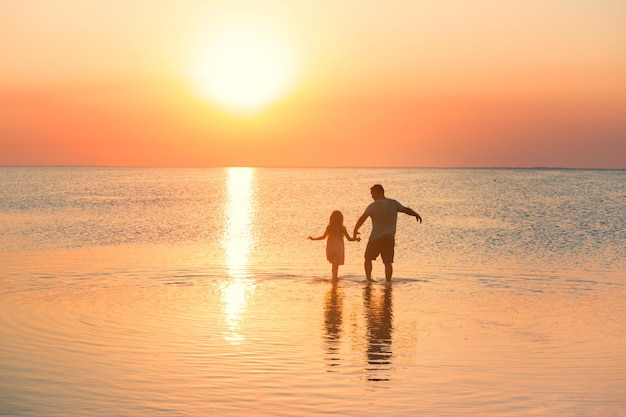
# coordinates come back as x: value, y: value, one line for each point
x: 419, y: 83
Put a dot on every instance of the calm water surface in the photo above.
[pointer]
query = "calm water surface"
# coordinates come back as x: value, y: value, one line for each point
x: 174, y: 292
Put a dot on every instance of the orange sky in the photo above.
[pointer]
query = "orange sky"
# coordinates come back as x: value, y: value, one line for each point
x: 401, y: 83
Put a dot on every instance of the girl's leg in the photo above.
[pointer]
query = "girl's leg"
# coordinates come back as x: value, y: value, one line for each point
x: 335, y: 271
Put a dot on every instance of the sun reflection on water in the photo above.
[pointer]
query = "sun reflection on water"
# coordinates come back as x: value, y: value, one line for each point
x: 237, y: 242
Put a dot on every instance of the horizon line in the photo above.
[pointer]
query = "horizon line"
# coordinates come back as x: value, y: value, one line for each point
x: 318, y: 167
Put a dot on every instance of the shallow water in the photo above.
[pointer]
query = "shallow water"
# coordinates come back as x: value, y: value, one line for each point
x: 135, y: 292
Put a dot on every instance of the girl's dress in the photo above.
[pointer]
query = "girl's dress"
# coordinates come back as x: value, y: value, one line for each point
x: 335, y: 248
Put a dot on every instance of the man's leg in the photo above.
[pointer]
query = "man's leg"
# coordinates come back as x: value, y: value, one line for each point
x: 388, y: 271
x: 387, y: 253
x: 368, y: 269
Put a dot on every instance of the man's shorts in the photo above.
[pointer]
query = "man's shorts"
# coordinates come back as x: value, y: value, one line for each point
x: 383, y: 246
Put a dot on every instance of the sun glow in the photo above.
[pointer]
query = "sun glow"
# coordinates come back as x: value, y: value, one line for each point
x: 242, y: 67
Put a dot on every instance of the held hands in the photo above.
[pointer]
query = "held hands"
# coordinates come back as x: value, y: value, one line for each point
x: 355, y: 237
x: 418, y: 218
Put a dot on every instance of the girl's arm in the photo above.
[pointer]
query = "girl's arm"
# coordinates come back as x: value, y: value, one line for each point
x: 319, y: 237
x: 350, y: 238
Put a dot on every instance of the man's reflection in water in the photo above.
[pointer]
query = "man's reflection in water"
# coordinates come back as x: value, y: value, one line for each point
x: 379, y: 315
x: 332, y: 323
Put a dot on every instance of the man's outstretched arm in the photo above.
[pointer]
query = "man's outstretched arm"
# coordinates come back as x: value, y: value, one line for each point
x: 411, y: 212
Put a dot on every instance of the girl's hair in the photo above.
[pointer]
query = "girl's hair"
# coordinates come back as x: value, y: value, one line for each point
x: 335, y: 224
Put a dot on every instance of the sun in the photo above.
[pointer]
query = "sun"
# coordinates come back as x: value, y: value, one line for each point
x: 242, y: 67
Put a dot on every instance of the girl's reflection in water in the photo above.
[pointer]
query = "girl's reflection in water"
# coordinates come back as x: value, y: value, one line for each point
x: 332, y: 323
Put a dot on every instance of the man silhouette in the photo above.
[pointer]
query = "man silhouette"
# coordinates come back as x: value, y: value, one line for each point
x: 384, y: 214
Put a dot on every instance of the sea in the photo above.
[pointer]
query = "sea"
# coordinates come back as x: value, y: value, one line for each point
x: 196, y: 292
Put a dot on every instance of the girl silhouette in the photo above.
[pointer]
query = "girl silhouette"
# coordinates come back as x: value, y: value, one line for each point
x: 335, y: 232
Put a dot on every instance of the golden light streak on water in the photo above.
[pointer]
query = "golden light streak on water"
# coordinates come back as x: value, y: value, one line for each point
x: 238, y: 241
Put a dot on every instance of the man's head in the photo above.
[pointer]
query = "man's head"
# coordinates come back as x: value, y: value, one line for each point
x: 377, y: 191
